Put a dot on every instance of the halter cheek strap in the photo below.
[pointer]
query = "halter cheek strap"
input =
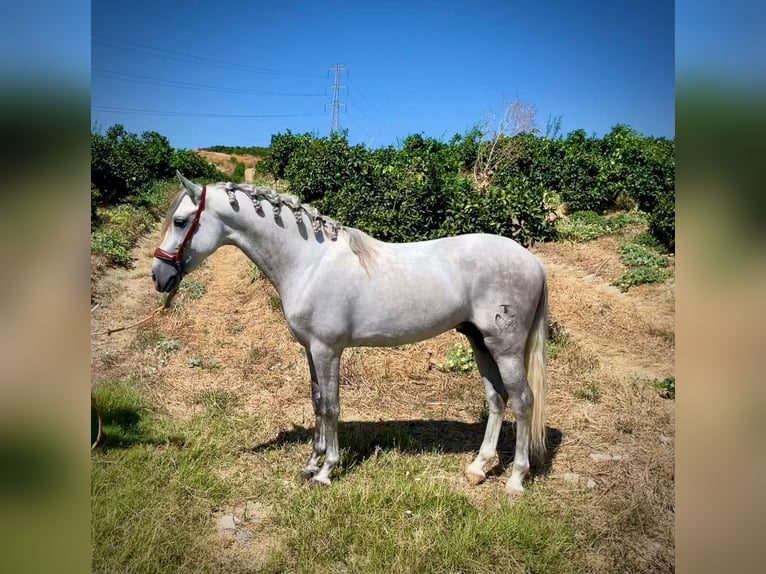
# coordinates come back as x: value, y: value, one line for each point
x: 175, y: 258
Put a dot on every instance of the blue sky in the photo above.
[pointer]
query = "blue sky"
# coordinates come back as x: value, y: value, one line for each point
x: 205, y: 73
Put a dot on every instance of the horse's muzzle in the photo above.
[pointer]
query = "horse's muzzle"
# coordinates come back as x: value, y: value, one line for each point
x: 166, y: 277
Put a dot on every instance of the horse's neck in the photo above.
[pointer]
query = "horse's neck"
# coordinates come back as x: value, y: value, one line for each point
x: 280, y: 252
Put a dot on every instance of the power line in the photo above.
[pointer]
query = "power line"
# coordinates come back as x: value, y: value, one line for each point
x: 154, y: 81
x: 172, y: 113
x: 373, y: 108
x: 145, y: 49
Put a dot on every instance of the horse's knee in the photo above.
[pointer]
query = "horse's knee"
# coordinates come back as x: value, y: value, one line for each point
x: 328, y: 409
x: 495, y: 403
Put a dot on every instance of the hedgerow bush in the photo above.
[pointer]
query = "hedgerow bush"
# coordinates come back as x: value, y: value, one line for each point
x: 124, y: 164
x: 621, y: 169
x: 416, y: 191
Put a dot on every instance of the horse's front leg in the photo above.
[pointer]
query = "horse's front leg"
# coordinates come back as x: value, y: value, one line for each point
x: 326, y: 362
x: 319, y: 445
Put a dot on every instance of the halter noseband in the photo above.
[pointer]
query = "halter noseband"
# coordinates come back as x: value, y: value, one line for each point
x: 175, y: 258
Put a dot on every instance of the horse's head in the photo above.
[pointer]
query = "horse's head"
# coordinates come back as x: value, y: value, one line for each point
x: 189, y: 234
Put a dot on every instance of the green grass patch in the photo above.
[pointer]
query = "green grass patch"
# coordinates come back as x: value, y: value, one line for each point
x: 590, y: 392
x: 194, y: 288
x: 391, y: 517
x: 275, y: 303
x: 124, y: 415
x: 218, y: 400
x: 583, y: 226
x: 644, y: 262
x: 155, y: 484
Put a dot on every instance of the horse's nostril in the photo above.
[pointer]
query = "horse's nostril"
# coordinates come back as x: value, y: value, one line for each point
x: 154, y: 276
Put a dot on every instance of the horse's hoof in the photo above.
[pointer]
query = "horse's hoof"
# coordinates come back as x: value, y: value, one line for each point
x: 473, y: 478
x: 309, y: 471
x: 514, y: 490
x: 317, y: 482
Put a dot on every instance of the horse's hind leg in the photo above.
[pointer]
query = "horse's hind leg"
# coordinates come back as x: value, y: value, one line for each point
x: 496, y: 400
x: 513, y: 373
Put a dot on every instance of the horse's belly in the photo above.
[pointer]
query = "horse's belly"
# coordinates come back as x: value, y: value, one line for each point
x: 401, y: 320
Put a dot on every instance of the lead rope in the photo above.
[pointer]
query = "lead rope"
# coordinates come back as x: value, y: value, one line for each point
x: 152, y: 315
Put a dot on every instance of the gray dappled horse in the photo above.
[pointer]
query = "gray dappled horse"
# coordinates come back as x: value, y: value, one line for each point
x: 342, y: 288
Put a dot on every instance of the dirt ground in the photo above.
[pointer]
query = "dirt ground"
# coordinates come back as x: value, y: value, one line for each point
x: 614, y: 453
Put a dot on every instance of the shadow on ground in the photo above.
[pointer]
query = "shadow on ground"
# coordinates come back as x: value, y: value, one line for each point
x: 360, y: 440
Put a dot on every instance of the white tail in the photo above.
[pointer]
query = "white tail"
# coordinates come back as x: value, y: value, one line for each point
x: 534, y: 359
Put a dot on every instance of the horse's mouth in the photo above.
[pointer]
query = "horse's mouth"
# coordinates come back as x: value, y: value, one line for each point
x: 166, y: 281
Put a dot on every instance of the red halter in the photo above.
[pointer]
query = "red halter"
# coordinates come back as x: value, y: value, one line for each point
x: 175, y: 258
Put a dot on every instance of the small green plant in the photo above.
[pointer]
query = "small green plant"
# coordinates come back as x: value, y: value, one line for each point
x: 460, y: 359
x: 194, y: 288
x: 202, y: 363
x: 255, y: 273
x: 589, y: 392
x: 275, y: 303
x: 667, y: 387
x: 648, y: 240
x: 167, y: 345
x: 558, y: 339
x: 645, y: 264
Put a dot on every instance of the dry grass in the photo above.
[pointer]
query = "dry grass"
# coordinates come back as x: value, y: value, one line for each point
x: 616, y: 341
x: 223, y: 160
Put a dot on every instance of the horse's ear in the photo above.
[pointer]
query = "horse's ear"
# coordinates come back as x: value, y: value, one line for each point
x: 195, y: 190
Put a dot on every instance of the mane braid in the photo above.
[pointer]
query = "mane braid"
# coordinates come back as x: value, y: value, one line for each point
x: 361, y: 244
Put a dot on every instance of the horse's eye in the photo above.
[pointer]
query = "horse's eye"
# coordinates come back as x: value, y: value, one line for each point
x: 179, y: 222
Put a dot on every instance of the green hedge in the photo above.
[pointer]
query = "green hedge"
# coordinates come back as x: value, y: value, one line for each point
x: 418, y: 190
x: 124, y: 164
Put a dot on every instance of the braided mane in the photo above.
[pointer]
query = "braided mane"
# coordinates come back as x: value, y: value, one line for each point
x: 361, y: 244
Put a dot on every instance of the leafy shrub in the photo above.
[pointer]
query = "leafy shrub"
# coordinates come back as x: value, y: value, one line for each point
x: 124, y: 164
x: 519, y: 212
x: 415, y: 192
x: 422, y: 189
x: 662, y: 221
x: 645, y: 265
x: 239, y: 173
x: 194, y: 166
x: 113, y: 243
x: 460, y: 359
x: 583, y: 179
